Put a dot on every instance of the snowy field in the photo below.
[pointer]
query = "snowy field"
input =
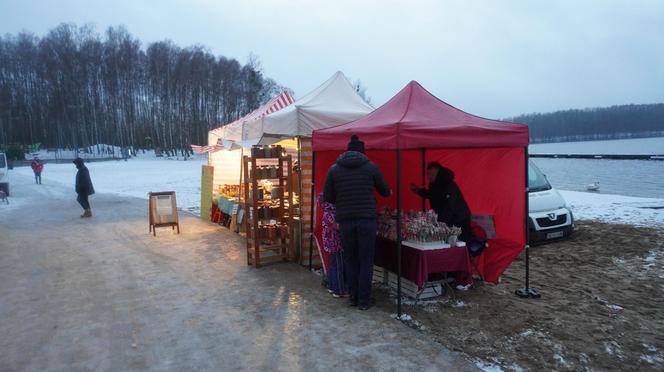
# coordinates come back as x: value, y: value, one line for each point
x: 636, y: 146
x: 146, y: 173
x: 616, y: 208
x: 136, y: 177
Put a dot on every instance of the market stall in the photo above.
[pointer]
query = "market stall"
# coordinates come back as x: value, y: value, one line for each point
x: 332, y: 103
x: 488, y: 157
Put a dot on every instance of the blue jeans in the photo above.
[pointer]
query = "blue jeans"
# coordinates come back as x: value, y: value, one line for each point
x: 358, y: 238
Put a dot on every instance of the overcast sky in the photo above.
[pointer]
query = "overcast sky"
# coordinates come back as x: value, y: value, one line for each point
x: 492, y: 58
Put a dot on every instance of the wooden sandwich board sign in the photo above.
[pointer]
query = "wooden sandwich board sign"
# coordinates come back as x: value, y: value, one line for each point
x: 163, y: 211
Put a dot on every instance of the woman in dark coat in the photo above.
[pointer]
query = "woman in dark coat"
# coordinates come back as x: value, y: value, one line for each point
x: 446, y: 198
x: 83, y: 187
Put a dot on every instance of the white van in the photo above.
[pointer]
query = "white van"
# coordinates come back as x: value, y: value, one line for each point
x: 4, y: 173
x: 550, y: 217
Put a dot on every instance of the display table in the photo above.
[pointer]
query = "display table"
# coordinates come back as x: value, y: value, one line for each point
x: 226, y: 204
x: 416, y: 265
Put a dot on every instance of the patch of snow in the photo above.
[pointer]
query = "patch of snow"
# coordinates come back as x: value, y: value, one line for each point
x: 654, y: 356
x: 463, y: 287
x: 614, y: 307
x: 411, y: 302
x: 557, y: 355
x: 487, y: 366
x: 404, y: 317
x: 527, y: 333
x: 613, y: 348
x: 651, y: 359
x: 650, y: 348
x: 560, y: 359
x: 615, y: 208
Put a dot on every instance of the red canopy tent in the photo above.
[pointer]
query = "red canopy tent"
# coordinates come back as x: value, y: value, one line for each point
x: 488, y: 157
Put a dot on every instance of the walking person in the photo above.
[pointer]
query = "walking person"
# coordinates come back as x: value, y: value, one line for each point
x: 83, y: 187
x: 350, y: 186
x: 37, y: 167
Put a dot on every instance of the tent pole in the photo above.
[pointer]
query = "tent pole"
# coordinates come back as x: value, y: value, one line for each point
x: 239, y: 196
x: 424, y: 180
x: 313, y: 198
x: 398, y: 233
x: 527, y: 292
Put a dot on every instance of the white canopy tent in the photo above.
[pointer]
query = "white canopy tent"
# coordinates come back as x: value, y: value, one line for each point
x: 334, y: 102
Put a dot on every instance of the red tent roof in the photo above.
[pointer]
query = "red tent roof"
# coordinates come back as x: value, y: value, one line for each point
x: 415, y: 118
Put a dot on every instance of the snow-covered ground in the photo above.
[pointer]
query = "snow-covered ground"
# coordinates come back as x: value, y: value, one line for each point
x: 146, y: 173
x: 615, y: 208
x: 135, y: 177
x: 635, y: 146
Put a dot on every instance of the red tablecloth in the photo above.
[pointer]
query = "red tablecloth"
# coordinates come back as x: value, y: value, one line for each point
x: 416, y: 265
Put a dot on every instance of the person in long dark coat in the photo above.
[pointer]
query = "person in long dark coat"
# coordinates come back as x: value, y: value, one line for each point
x: 350, y: 186
x: 446, y: 198
x: 84, y: 187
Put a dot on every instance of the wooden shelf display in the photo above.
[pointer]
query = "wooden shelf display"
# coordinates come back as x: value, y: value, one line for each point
x: 268, y: 202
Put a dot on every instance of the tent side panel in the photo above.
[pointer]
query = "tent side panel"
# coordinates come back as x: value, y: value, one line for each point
x: 226, y: 165
x: 306, y: 171
x: 493, y: 182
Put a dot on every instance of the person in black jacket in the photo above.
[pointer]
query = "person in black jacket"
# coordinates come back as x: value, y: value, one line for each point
x: 446, y: 198
x: 83, y: 187
x: 350, y: 186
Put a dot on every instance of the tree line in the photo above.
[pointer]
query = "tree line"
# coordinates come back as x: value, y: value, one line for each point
x: 615, y: 122
x: 74, y: 87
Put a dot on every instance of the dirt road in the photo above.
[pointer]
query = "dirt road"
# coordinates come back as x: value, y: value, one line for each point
x: 103, y: 294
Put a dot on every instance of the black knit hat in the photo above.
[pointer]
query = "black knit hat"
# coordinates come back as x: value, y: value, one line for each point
x: 355, y: 144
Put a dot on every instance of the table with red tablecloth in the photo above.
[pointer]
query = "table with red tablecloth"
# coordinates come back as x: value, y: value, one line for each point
x: 416, y: 264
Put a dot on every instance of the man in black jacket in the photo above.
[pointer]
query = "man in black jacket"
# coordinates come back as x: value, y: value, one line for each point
x: 83, y: 187
x: 446, y: 198
x: 350, y: 186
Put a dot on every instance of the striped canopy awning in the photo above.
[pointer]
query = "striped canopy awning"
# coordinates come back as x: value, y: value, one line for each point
x: 284, y: 99
x: 205, y: 149
x: 277, y: 103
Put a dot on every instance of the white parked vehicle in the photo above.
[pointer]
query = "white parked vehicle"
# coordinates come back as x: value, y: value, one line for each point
x: 550, y: 217
x: 4, y: 173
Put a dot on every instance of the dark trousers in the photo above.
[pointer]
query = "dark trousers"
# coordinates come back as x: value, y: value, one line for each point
x: 38, y: 177
x: 82, y: 199
x: 358, y: 238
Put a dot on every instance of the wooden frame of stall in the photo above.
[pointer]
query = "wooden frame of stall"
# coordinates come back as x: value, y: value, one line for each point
x: 280, y: 235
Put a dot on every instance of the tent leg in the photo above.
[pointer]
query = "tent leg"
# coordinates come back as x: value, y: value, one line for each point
x: 398, y: 233
x: 424, y: 180
x: 527, y: 291
x: 313, y: 205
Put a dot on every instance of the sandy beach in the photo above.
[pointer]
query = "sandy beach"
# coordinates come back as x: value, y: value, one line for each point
x: 601, y: 306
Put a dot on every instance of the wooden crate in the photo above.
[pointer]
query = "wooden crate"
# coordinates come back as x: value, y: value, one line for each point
x: 410, y: 289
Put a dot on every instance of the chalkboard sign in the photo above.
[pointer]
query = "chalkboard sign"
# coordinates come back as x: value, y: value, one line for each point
x: 163, y: 211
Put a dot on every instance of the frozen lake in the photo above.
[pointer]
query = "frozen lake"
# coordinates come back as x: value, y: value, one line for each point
x: 643, y: 178
x: 634, y: 146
